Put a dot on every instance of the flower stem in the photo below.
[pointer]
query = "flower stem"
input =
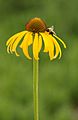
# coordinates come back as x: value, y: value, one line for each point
x: 35, y: 88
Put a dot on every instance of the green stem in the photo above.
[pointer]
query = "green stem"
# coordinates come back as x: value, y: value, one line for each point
x: 35, y: 88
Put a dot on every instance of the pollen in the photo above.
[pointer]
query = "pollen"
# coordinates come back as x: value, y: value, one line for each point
x: 36, y: 25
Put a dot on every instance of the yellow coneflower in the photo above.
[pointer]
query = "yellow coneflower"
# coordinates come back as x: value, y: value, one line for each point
x: 35, y: 33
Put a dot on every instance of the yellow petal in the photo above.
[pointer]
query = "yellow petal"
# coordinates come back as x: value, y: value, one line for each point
x: 35, y: 46
x: 60, y: 40
x: 57, y: 47
x: 11, y: 41
x: 26, y: 42
x: 40, y: 43
x: 16, y: 53
x: 9, y: 47
x: 17, y: 42
x: 14, y: 37
x: 49, y: 46
x: 51, y: 51
x: 45, y: 42
x: 30, y: 39
x: 25, y: 51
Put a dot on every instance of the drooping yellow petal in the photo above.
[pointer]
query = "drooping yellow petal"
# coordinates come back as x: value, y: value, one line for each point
x: 30, y: 39
x: 45, y: 42
x: 17, y: 42
x: 26, y: 42
x: 12, y: 40
x: 9, y: 47
x: 25, y: 51
x: 51, y: 51
x: 60, y: 40
x: 49, y: 46
x: 40, y: 43
x: 36, y: 46
x: 57, y: 47
x: 16, y: 53
x: 14, y: 37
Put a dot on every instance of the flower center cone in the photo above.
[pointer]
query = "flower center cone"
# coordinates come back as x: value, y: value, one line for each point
x: 36, y: 25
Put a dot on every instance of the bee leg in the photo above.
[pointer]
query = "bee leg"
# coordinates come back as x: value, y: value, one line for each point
x: 51, y: 33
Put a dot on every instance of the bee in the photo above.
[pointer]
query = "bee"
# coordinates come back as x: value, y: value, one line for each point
x: 51, y: 30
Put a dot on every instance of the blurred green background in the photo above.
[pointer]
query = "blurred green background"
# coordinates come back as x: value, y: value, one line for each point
x: 58, y: 79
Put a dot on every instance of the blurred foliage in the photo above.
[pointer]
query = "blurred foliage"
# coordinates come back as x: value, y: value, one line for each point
x: 58, y: 82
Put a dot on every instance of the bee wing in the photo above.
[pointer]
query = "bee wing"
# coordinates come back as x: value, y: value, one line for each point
x: 52, y: 27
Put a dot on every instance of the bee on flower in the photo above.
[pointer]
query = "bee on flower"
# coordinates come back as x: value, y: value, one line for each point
x: 35, y: 34
x: 51, y: 30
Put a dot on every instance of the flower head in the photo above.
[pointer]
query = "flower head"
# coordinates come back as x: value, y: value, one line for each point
x: 36, y: 32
